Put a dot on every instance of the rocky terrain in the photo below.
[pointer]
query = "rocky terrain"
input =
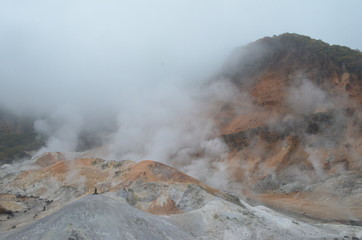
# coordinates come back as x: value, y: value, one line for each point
x: 297, y: 146
x: 52, y: 182
x: 145, y: 200
x: 294, y: 139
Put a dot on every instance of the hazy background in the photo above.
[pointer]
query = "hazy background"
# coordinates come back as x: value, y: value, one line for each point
x: 131, y: 74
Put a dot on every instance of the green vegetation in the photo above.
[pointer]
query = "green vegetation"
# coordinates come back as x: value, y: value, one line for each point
x: 342, y: 56
x: 17, y: 137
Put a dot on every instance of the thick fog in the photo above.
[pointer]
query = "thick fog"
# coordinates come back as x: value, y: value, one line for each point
x: 130, y: 77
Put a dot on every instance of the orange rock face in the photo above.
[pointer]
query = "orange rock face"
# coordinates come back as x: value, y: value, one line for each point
x: 148, y: 185
x: 302, y: 128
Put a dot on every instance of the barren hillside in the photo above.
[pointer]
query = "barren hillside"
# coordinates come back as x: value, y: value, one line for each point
x: 300, y: 139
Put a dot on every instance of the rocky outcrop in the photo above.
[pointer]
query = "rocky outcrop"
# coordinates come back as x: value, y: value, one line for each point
x: 150, y: 186
x: 100, y: 217
x: 105, y: 216
x: 145, y: 200
x: 303, y: 125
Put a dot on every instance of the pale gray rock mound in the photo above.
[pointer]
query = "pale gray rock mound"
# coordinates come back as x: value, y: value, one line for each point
x: 99, y: 217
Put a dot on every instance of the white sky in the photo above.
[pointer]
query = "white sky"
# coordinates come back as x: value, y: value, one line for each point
x: 62, y: 46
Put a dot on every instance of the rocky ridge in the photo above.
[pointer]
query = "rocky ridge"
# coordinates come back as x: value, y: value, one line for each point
x: 52, y: 182
x: 145, y: 200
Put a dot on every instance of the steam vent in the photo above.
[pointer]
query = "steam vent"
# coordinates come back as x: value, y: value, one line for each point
x: 186, y: 120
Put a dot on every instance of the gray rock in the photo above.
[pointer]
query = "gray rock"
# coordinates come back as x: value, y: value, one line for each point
x: 99, y: 217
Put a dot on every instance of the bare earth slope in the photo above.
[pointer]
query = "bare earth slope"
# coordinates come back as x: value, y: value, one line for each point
x: 100, y: 217
x: 190, y: 209
x: 298, y: 146
x: 150, y: 186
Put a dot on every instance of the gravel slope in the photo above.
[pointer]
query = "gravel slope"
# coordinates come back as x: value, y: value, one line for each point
x: 110, y: 217
x: 99, y: 217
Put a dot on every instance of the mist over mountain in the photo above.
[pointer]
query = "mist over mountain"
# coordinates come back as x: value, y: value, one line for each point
x: 187, y: 120
x: 297, y: 145
x: 277, y: 124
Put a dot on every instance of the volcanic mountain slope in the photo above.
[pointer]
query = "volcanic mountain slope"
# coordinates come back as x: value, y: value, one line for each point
x: 298, y: 143
x: 148, y: 185
x: 294, y: 136
x: 50, y: 203
x: 100, y: 217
